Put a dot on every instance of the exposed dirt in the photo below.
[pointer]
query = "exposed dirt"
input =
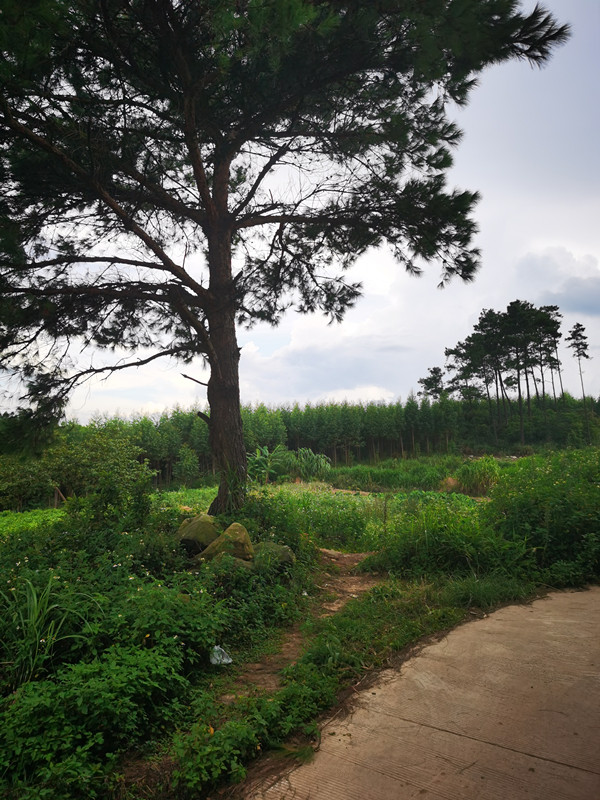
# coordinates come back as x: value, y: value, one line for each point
x: 338, y: 585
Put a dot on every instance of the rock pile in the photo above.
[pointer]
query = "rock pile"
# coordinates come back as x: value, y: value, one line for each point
x: 203, y: 541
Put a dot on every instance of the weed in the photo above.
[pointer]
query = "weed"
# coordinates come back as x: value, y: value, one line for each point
x: 33, y: 630
x: 478, y: 476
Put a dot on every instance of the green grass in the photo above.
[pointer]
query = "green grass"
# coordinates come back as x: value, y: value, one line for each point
x: 396, y: 475
x: 12, y: 522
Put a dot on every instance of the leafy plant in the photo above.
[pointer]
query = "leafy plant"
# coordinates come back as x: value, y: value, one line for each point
x: 33, y: 630
x: 478, y: 476
x: 265, y: 465
x: 553, y: 504
x: 77, y: 723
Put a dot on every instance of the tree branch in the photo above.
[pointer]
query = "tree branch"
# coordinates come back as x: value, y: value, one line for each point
x: 128, y: 223
x: 202, y: 383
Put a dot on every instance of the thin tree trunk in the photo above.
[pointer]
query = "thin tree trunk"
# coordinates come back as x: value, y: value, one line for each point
x: 562, y: 389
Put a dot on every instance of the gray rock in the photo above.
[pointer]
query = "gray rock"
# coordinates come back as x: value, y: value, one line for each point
x: 197, y: 533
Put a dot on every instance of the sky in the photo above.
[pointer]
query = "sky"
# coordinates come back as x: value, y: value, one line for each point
x: 530, y: 147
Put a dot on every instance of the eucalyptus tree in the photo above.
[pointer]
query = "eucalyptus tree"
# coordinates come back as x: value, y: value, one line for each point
x: 171, y: 169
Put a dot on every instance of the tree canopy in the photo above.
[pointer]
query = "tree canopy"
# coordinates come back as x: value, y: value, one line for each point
x: 173, y: 168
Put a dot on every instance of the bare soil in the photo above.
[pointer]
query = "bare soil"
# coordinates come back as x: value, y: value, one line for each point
x: 338, y: 585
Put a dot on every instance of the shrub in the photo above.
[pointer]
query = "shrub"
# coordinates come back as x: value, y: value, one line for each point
x: 478, y: 476
x: 552, y: 504
x: 76, y: 724
x: 436, y: 534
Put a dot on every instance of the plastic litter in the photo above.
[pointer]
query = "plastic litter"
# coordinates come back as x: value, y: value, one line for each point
x: 218, y: 656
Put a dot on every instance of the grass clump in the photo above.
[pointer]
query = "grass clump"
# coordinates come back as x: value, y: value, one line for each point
x: 551, y: 504
x: 437, y: 534
x: 477, y: 476
x: 395, y: 474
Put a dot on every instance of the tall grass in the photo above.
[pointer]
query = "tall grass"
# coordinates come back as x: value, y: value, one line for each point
x: 33, y: 626
x: 395, y: 474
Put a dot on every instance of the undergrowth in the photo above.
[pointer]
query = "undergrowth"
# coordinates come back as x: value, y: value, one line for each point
x: 107, y: 628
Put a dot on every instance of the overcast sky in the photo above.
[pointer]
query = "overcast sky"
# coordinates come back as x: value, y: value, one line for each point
x: 531, y: 148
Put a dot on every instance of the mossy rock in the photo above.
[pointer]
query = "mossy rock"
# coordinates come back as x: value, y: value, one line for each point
x: 270, y: 554
x: 198, y: 533
x: 235, y: 542
x: 236, y: 563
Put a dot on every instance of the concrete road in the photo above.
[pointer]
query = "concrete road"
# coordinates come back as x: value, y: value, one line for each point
x: 503, y: 708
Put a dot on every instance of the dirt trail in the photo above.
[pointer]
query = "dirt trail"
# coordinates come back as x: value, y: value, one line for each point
x: 338, y: 585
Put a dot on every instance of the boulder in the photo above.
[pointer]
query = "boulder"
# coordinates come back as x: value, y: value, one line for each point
x: 197, y: 533
x: 234, y: 541
x: 269, y: 554
x: 233, y: 562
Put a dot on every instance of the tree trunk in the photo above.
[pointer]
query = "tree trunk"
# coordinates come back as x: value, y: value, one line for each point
x: 226, y: 435
x: 226, y: 432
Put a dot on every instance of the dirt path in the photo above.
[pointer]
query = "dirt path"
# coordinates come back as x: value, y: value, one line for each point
x: 338, y: 585
x: 505, y: 707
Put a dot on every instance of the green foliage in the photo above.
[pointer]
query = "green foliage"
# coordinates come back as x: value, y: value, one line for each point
x: 442, y: 534
x: 33, y: 631
x: 485, y: 591
x: 553, y: 504
x: 23, y: 482
x: 395, y: 475
x: 265, y: 466
x: 478, y: 476
x: 133, y: 622
x: 74, y: 724
x: 11, y: 523
x: 311, y: 466
x: 333, y: 519
x: 186, y: 471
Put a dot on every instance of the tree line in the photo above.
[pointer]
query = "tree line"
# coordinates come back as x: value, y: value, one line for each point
x: 176, y: 448
x: 511, y: 354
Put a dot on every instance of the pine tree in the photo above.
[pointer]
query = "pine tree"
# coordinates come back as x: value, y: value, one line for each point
x: 578, y: 342
x: 171, y: 169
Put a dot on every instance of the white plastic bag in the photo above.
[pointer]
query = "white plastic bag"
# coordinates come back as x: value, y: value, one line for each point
x: 218, y: 656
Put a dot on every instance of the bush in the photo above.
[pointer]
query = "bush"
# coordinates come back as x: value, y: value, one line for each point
x: 334, y: 520
x: 442, y: 534
x: 552, y: 504
x: 478, y: 476
x: 75, y: 725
